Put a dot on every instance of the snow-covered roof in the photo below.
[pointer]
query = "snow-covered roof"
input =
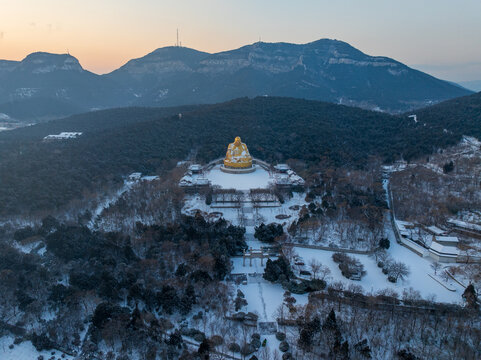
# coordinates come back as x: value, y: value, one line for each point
x: 464, y: 224
x: 195, y: 167
x: 435, y: 230
x: 403, y: 225
x: 443, y: 250
x: 190, y: 179
x: 149, y: 178
x: 63, y: 135
x: 451, y: 239
x: 282, y: 167
x: 288, y: 178
x: 135, y: 175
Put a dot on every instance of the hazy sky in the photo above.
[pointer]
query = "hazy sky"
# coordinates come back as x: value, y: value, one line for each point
x: 442, y: 37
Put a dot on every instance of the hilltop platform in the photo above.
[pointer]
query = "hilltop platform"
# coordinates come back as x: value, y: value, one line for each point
x: 259, y: 179
x: 237, y: 170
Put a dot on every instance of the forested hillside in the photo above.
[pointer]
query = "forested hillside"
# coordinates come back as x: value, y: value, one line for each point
x: 37, y: 176
x: 461, y: 116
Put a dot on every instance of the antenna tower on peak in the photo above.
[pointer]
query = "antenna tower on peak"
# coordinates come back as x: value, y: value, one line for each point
x: 178, y: 43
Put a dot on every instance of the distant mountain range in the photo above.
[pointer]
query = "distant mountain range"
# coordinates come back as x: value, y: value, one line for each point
x: 47, y: 85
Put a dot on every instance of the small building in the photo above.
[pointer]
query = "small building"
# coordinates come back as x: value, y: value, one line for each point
x: 434, y: 230
x: 285, y: 177
x: 194, y: 181
x: 470, y: 229
x: 443, y: 253
x: 195, y: 169
x: 447, y: 240
x: 404, y: 225
x: 405, y: 228
x: 135, y: 176
x: 282, y: 168
x: 62, y: 136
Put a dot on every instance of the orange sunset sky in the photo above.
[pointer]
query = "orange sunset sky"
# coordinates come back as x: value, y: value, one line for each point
x: 438, y: 36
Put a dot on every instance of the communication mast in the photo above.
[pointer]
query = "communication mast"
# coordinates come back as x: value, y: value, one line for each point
x: 178, y: 43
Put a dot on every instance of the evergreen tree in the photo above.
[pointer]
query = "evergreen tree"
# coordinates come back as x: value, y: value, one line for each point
x: 204, y: 349
x: 470, y: 296
x: 175, y: 339
x: 384, y: 243
x: 330, y: 323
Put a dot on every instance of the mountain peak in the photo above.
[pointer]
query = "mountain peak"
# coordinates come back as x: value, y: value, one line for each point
x: 163, y: 60
x: 176, y: 50
x: 43, y: 62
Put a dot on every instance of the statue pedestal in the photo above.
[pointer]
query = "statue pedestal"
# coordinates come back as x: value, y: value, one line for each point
x: 231, y: 170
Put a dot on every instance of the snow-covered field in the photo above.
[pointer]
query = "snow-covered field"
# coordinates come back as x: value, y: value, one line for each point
x: 375, y: 280
x: 25, y: 351
x: 257, y: 216
x: 259, y: 179
x: 264, y: 297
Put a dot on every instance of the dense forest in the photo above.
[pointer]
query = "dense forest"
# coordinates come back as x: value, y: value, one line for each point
x: 460, y: 116
x: 38, y: 176
x: 84, y: 276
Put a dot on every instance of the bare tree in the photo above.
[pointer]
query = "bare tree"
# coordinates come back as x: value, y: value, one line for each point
x: 288, y: 251
x: 315, y: 267
x: 435, y: 266
x: 324, y: 272
x: 398, y: 270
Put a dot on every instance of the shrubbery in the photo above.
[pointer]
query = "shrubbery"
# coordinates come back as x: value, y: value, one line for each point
x: 278, y: 270
x: 349, y: 266
x: 268, y: 233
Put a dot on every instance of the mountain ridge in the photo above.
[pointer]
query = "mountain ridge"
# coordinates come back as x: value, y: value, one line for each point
x: 324, y: 70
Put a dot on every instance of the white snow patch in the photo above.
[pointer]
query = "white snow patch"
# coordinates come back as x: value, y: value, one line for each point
x: 255, y: 180
x: 375, y: 280
x: 264, y: 297
x: 24, y: 351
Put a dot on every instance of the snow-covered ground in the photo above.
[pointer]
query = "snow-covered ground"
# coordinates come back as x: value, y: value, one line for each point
x: 25, y: 351
x: 106, y: 203
x: 375, y: 280
x: 127, y: 186
x: 251, y: 216
x: 264, y: 297
x: 259, y: 179
x: 253, y: 266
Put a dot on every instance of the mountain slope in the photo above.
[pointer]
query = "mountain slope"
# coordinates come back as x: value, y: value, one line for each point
x: 460, y: 116
x: 474, y: 85
x: 327, y: 70
x: 55, y: 78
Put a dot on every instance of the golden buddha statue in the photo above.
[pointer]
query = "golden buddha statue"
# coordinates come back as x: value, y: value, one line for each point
x: 237, y: 156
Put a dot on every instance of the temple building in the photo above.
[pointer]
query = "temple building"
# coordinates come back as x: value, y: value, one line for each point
x: 240, y: 171
x: 243, y: 190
